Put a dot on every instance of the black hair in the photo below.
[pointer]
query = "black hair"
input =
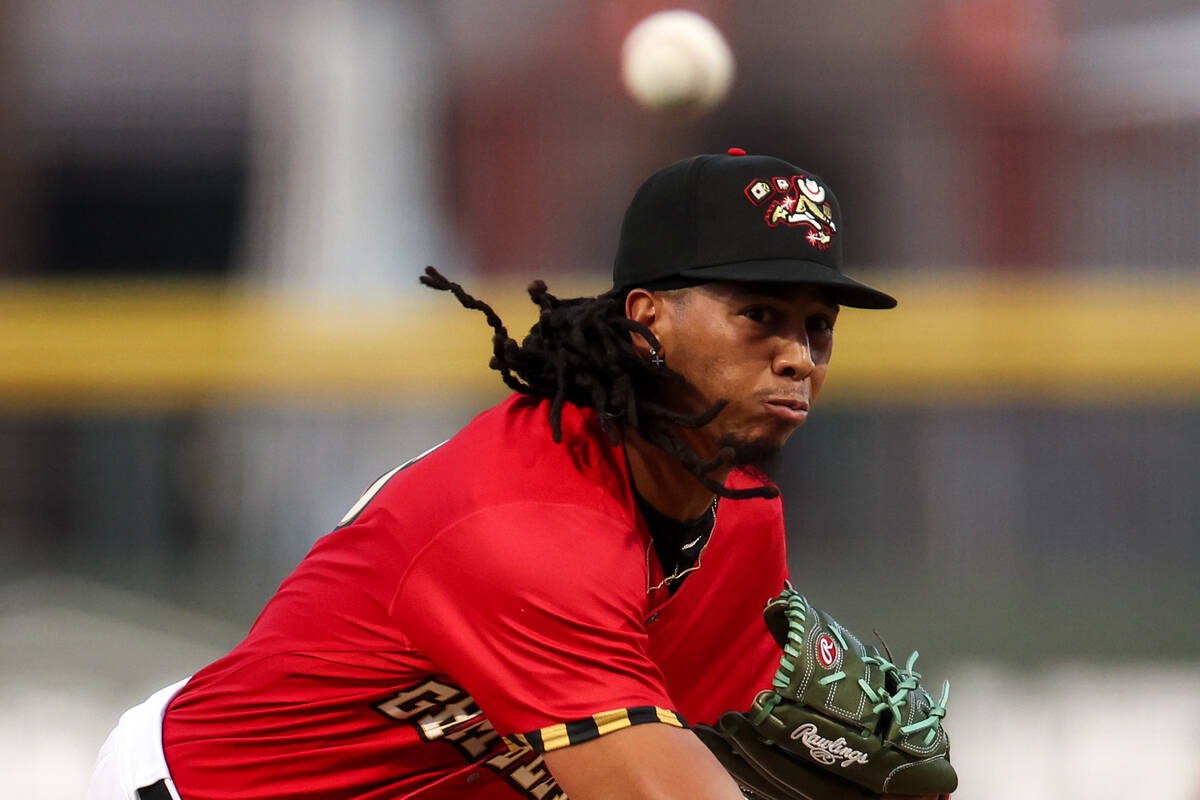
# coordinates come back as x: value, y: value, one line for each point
x: 579, y: 351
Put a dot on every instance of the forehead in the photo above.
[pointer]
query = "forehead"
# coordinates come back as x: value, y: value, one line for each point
x: 731, y: 291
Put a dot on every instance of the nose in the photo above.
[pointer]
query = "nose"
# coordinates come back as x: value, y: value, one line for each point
x: 793, y: 358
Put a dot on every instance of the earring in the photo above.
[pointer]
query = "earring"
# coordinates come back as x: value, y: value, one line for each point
x: 655, y: 358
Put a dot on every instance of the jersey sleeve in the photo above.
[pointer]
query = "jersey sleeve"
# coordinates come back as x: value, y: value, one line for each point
x: 538, y: 611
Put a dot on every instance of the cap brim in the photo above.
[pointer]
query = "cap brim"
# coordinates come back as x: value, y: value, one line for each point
x: 847, y: 291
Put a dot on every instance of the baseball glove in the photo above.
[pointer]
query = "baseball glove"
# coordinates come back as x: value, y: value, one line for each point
x: 841, y: 721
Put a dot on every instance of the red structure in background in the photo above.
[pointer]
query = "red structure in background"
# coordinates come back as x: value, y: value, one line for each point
x: 1000, y: 56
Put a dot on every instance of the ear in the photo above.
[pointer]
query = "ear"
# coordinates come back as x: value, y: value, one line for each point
x: 644, y: 307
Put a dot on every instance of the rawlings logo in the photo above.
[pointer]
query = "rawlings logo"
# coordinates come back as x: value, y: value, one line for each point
x: 828, y: 751
x: 826, y: 650
x: 798, y: 200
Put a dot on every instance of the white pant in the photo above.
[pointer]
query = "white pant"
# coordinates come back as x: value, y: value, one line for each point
x: 132, y: 755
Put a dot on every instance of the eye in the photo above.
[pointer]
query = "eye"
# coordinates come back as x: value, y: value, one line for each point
x: 759, y: 314
x: 820, y: 324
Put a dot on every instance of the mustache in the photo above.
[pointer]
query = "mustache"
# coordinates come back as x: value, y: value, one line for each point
x: 764, y: 395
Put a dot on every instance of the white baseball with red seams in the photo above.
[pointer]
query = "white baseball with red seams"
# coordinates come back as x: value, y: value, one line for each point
x: 676, y: 60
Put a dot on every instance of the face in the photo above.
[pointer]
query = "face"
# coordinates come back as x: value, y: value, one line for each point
x: 762, y: 348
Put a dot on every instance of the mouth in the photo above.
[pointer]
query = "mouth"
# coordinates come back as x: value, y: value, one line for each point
x: 792, y: 409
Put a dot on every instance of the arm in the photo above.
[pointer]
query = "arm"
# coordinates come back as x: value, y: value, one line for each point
x: 647, y: 762
x: 644, y: 762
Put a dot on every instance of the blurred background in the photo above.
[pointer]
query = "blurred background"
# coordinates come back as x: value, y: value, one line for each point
x: 212, y: 338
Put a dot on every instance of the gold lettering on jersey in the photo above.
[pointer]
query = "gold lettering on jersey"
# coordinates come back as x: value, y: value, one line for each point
x: 526, y: 772
x: 441, y: 711
x: 446, y: 706
x: 474, y: 740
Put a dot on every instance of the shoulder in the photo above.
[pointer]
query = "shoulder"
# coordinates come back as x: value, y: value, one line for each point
x: 541, y: 546
x: 508, y: 454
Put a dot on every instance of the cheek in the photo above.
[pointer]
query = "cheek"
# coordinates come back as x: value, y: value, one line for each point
x: 694, y: 360
x: 817, y: 380
x: 710, y: 378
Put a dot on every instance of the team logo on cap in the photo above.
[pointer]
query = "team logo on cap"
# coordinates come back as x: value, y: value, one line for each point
x: 794, y: 201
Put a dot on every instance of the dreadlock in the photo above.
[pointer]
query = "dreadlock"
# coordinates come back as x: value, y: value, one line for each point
x: 579, y: 352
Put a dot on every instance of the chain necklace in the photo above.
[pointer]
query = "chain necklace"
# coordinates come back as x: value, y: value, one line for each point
x: 712, y: 520
x: 678, y: 573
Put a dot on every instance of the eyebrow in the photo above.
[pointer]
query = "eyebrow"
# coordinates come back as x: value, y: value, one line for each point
x: 787, y: 293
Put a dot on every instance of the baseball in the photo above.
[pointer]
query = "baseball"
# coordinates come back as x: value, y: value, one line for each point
x: 676, y: 60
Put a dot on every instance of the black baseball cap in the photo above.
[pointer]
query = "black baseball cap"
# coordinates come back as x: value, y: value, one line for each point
x: 737, y: 217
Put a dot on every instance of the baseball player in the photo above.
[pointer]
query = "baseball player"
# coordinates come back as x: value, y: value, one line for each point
x: 543, y: 604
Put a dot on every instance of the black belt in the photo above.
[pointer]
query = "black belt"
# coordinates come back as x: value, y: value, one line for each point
x: 155, y: 791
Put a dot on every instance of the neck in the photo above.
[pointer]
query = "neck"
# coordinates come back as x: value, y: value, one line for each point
x: 665, y: 483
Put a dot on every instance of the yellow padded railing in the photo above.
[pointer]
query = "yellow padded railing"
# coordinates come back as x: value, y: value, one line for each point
x: 957, y: 337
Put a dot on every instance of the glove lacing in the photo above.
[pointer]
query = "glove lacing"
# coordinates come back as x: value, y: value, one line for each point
x: 907, y: 679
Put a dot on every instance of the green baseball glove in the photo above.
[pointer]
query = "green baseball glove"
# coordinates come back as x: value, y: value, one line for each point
x: 841, y: 721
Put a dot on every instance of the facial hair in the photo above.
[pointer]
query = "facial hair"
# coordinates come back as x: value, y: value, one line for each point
x: 754, y: 455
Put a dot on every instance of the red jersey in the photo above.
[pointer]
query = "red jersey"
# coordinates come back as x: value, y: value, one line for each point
x: 494, y: 599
